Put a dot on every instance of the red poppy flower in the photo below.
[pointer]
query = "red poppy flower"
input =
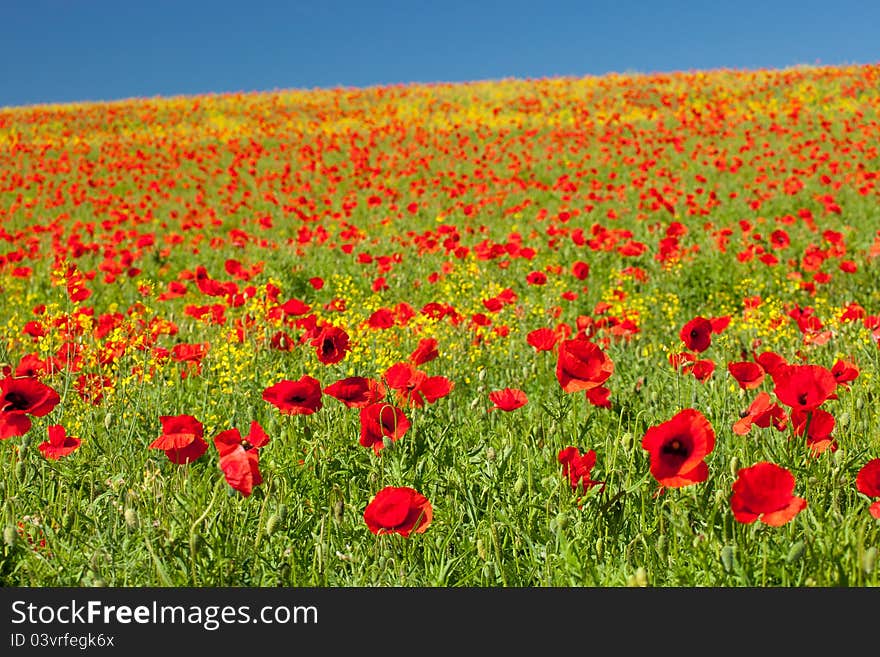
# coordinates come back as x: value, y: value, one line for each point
x: 380, y: 421
x: 508, y: 399
x: 425, y: 351
x: 181, y: 439
x: 696, y: 334
x: 747, y: 374
x: 542, y: 339
x: 398, y: 510
x: 868, y: 483
x: 770, y: 361
x: 803, y: 387
x: 580, y: 270
x: 59, y: 443
x: 764, y: 492
x: 817, y: 426
x: 331, y: 345
x: 677, y: 448
x: 577, y: 467
x: 413, y: 387
x: 582, y: 365
x: 356, y: 391
x: 599, y: 397
x: 239, y: 457
x: 21, y: 397
x: 844, y: 371
x: 761, y: 413
x: 302, y: 397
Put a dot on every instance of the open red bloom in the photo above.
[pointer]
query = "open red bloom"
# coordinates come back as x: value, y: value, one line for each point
x: 542, y: 339
x: 413, y: 387
x: 379, y: 421
x: 747, y: 374
x: 696, y: 334
x: 21, y: 397
x: 356, y: 391
x: 331, y: 345
x: 398, y: 510
x: 817, y: 426
x: 582, y: 365
x: 868, y: 483
x: 677, y: 448
x: 803, y: 387
x: 181, y: 439
x: 508, y: 399
x: 426, y: 351
x: 239, y: 457
x: 844, y: 371
x: 764, y: 492
x: 302, y: 397
x: 761, y: 413
x: 59, y: 443
x: 577, y: 467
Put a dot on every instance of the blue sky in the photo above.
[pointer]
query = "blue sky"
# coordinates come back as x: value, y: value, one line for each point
x: 55, y: 51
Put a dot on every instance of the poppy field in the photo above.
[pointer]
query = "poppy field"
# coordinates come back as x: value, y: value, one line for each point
x: 606, y: 331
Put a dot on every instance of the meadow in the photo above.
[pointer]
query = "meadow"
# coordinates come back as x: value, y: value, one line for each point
x: 607, y: 331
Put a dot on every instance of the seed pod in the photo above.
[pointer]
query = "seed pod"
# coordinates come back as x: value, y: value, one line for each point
x: 795, y: 552
x: 339, y: 510
x: 481, y: 549
x: 518, y: 486
x: 561, y: 521
x: 734, y: 466
x: 282, y: 512
x: 490, y: 454
x: 108, y: 420
x: 272, y: 524
x: 600, y: 548
x: 626, y: 440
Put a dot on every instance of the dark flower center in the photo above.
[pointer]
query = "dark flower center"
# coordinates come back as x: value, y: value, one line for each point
x: 296, y: 399
x: 15, y: 402
x: 675, y: 447
x: 695, y: 334
x: 802, y: 399
x: 327, y: 346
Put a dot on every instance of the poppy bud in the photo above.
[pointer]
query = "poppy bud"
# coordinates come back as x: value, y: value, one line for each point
x: 272, y: 524
x: 99, y: 582
x: 842, y: 420
x: 795, y: 553
x: 20, y: 470
x: 67, y: 521
x: 561, y: 521
x: 10, y: 535
x: 518, y: 486
x: 481, y: 549
x: 734, y: 466
x: 600, y: 548
x: 339, y: 510
x: 626, y: 440
x: 195, y: 541
x: 490, y: 454
x: 727, y: 558
x: 869, y: 558
x: 860, y: 403
x: 282, y: 511
x: 387, y: 442
x: 131, y: 518
x: 108, y: 420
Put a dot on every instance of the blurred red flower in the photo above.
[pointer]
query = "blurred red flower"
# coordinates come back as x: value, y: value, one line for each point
x: 426, y: 351
x: 181, y: 439
x: 415, y: 388
x: 508, y: 399
x: 302, y: 397
x: 59, y: 443
x: 868, y: 483
x: 761, y: 413
x: 677, y: 448
x: 398, y: 510
x: 764, y: 492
